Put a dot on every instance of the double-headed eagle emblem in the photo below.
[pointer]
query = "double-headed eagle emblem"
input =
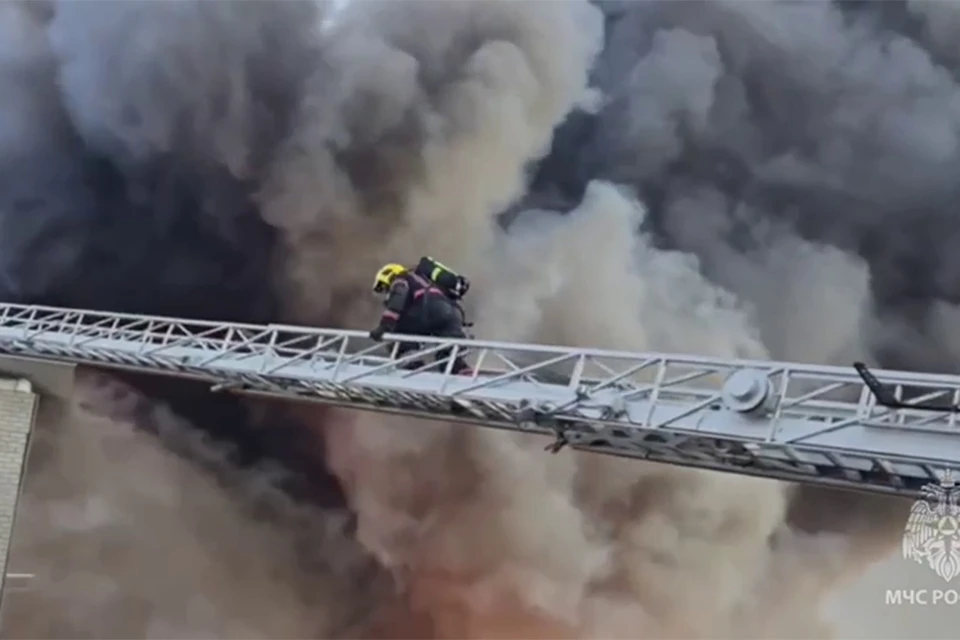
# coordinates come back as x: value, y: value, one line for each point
x: 932, y: 534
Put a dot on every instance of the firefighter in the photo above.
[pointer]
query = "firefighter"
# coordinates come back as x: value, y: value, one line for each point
x: 416, y: 305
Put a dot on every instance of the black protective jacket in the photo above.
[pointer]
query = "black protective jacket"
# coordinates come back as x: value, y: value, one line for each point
x: 405, y: 301
x: 414, y: 305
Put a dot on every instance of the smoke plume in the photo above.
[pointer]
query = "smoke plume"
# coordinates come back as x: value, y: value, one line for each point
x: 125, y: 539
x: 741, y: 179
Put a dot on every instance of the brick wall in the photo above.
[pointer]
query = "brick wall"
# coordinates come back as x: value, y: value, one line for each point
x: 17, y: 407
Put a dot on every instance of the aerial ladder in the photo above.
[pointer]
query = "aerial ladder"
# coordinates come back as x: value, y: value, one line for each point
x: 847, y: 427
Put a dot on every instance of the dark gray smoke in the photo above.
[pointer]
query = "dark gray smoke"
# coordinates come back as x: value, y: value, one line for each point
x: 133, y: 138
x: 745, y: 125
x: 128, y: 177
x: 140, y: 199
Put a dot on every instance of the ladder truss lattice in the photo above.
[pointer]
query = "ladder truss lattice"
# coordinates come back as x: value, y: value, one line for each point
x: 780, y: 420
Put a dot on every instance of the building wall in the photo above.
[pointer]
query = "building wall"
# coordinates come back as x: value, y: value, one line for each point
x: 18, y: 404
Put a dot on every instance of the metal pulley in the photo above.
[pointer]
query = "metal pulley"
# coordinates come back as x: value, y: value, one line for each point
x: 748, y: 391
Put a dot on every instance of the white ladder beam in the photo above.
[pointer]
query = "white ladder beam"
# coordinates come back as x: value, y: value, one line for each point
x: 779, y: 420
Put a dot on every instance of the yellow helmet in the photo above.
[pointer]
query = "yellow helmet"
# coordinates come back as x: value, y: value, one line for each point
x: 386, y: 275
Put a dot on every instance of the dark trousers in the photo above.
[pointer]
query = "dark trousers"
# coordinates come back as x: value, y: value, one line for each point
x: 433, y: 315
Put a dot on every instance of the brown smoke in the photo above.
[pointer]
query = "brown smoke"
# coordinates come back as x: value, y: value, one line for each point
x: 496, y: 538
x: 129, y: 540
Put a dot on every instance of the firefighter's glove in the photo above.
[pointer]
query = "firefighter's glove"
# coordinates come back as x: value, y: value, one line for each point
x: 377, y: 334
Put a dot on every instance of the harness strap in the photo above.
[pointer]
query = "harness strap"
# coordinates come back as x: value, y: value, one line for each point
x: 425, y: 287
x: 419, y: 294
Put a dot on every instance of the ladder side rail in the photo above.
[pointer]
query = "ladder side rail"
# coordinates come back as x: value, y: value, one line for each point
x: 666, y: 389
x: 787, y: 465
x: 792, y: 429
x: 794, y: 433
x: 258, y: 344
x: 666, y: 414
x: 10, y: 311
x: 622, y: 448
x: 766, y: 468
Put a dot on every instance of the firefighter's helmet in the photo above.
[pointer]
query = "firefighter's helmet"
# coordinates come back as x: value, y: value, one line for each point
x: 386, y: 275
